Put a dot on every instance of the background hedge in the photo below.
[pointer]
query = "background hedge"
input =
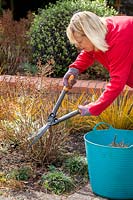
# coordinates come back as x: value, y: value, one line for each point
x: 48, y: 32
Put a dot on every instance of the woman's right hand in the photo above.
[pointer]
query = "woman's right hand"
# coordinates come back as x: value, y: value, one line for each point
x: 70, y: 83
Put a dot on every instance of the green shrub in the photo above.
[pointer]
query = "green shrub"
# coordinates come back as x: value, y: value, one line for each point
x: 96, y: 72
x: 76, y: 165
x: 30, y: 68
x: 48, y: 31
x: 21, y: 174
x: 57, y: 182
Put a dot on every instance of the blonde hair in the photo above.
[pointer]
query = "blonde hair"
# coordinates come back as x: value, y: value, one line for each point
x: 88, y: 24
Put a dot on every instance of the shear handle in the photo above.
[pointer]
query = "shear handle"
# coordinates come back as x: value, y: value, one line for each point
x: 61, y: 97
x: 66, y: 88
x: 67, y: 116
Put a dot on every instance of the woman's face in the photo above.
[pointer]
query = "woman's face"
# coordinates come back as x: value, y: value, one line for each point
x: 82, y: 42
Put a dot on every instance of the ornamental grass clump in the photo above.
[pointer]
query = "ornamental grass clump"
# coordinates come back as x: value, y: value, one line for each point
x: 25, y: 108
x: 119, y: 114
x: 23, y: 111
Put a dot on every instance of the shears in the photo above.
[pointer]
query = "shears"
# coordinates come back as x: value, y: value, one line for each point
x: 52, y: 118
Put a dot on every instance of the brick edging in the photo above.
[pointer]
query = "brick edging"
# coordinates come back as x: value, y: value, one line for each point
x: 56, y: 83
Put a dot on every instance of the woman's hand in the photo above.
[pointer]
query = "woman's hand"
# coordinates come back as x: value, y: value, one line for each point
x: 84, y: 110
x: 70, y: 83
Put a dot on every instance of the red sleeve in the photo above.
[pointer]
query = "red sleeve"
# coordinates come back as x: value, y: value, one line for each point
x: 83, y: 61
x: 119, y: 59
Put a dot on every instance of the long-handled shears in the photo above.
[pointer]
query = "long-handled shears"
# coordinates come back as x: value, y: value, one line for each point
x: 52, y: 119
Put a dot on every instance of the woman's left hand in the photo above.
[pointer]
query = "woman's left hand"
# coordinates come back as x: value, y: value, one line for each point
x: 84, y: 110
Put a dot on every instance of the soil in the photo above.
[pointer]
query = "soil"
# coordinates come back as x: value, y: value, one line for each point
x: 76, y: 144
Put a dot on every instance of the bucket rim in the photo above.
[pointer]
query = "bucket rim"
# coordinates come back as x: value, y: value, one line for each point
x: 106, y: 146
x: 110, y: 128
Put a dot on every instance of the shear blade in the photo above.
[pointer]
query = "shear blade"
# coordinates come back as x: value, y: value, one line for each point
x: 40, y: 133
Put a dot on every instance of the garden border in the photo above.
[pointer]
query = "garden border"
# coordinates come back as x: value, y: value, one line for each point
x: 56, y: 84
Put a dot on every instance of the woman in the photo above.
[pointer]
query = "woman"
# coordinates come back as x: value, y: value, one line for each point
x: 108, y: 40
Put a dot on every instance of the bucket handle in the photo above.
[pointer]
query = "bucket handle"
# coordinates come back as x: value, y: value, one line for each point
x: 108, y: 125
x: 130, y: 147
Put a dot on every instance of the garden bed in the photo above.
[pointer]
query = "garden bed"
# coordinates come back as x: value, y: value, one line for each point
x: 22, y: 99
x: 12, y: 158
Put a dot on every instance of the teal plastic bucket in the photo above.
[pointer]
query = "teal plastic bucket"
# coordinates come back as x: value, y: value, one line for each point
x: 110, y: 168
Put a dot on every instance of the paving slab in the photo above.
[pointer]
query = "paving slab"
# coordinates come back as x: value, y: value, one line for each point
x: 83, y: 194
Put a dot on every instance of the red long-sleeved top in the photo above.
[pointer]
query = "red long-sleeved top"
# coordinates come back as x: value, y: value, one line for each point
x: 118, y: 60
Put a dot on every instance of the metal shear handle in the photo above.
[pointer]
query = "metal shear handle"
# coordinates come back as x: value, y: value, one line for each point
x: 61, y: 97
x: 67, y: 116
